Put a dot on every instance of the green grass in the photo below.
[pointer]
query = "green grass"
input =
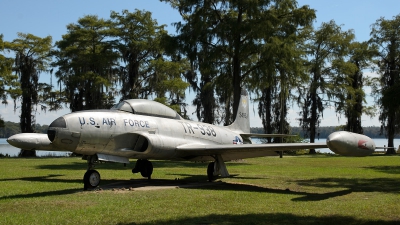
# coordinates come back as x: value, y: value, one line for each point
x: 293, y: 190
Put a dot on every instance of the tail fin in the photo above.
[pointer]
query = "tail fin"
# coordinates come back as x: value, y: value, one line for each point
x: 242, y: 119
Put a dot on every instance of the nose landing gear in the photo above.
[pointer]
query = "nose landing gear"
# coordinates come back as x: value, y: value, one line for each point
x: 91, y: 179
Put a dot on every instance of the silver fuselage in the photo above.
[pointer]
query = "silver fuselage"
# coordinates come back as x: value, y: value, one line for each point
x: 118, y: 133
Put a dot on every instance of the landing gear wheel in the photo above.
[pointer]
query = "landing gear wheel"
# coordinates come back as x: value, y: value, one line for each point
x: 147, y: 169
x: 91, y: 179
x: 138, y: 166
x: 210, y: 172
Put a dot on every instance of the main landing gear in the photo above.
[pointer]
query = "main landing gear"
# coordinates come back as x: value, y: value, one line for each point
x: 216, y: 168
x: 144, y: 167
x: 91, y: 179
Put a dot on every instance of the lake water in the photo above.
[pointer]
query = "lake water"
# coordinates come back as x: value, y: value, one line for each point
x: 6, y: 148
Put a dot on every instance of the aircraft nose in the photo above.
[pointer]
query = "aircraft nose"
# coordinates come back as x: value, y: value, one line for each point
x: 58, y: 123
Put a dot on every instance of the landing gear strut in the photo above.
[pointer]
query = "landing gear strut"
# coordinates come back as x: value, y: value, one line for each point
x: 91, y: 179
x: 144, y: 167
x: 216, y: 168
x: 210, y: 172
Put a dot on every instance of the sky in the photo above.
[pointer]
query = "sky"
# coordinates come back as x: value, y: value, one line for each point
x: 50, y: 17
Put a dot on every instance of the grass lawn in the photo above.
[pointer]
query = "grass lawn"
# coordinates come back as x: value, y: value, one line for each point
x: 319, y: 189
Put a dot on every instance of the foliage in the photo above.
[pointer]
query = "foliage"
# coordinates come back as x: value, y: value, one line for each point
x: 326, y: 49
x: 385, y: 36
x: 229, y: 41
x: 267, y: 47
x: 285, y: 73
x: 150, y: 70
x: 11, y: 128
x: 86, y: 64
x: 9, y: 85
x: 31, y: 59
x: 324, y: 132
x: 99, y: 59
x: 351, y: 101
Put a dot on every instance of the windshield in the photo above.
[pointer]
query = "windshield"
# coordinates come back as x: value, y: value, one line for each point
x: 123, y: 106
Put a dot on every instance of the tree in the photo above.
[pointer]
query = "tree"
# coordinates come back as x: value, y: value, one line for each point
x: 385, y: 35
x: 31, y: 59
x: 204, y: 61
x: 350, y: 93
x: 87, y: 64
x: 237, y: 33
x: 284, y: 72
x: 326, y: 48
x: 9, y: 85
x: 147, y: 69
x: 138, y: 42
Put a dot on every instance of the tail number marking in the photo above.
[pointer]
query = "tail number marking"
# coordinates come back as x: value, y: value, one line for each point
x: 242, y: 115
x: 189, y: 129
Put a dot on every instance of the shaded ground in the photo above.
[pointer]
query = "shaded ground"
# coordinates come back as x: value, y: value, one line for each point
x: 155, y: 184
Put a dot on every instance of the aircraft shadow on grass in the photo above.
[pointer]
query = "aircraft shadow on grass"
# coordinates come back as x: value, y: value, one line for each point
x: 199, y: 182
x: 160, y: 164
x: 386, y: 185
x: 267, y: 218
x: 50, y: 178
x: 43, y: 194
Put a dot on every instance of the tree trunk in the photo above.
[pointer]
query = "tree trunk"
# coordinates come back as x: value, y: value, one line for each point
x: 26, y: 110
x: 26, y: 153
x: 391, y: 133
x: 313, y: 119
x: 208, y: 101
x: 236, y: 84
x: 264, y: 111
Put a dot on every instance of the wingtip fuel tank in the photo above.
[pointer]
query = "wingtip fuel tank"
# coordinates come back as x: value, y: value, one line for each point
x: 350, y: 144
x: 30, y: 141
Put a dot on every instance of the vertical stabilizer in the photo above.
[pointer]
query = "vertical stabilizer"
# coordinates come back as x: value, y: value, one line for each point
x: 242, y: 119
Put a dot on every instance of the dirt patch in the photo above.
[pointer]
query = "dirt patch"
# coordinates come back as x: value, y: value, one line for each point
x: 155, y: 184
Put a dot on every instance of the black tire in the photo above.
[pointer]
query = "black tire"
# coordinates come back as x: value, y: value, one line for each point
x: 147, y: 169
x: 138, y: 166
x: 91, y: 179
x: 210, y: 172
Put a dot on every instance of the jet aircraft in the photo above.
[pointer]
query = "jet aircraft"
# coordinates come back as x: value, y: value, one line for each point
x: 145, y: 130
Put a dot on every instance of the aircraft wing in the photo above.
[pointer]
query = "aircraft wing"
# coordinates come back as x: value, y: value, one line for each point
x: 198, y: 152
x: 247, y: 135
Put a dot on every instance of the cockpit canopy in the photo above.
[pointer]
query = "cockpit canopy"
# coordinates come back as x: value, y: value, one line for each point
x: 147, y: 108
